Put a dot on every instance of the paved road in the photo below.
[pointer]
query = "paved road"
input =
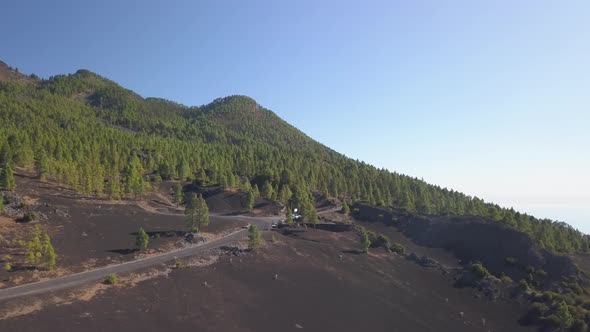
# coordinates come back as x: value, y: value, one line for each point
x: 100, y: 273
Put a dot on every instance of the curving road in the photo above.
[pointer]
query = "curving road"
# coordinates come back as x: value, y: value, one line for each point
x: 100, y: 273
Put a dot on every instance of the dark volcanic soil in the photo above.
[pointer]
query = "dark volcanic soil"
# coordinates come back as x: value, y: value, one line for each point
x: 88, y: 232
x: 315, y: 291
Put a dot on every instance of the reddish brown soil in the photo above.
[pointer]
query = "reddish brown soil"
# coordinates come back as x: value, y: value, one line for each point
x: 315, y: 291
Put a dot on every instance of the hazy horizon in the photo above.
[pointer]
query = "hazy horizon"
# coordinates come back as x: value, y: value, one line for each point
x: 487, y: 99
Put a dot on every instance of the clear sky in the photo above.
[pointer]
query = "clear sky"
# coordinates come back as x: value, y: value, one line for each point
x: 488, y: 97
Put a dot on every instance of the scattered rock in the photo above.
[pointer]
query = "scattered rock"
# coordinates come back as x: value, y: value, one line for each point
x: 85, y: 315
x: 62, y: 212
x: 194, y: 238
x: 424, y: 261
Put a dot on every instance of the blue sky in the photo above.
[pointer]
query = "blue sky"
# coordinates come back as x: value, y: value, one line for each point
x: 487, y: 97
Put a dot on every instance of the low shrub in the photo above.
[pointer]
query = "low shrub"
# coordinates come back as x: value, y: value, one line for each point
x: 179, y: 263
x: 479, y: 270
x: 511, y: 261
x: 111, y: 279
x: 523, y: 285
x: 397, y: 248
x: 31, y: 216
x: 505, y: 278
x: 378, y: 240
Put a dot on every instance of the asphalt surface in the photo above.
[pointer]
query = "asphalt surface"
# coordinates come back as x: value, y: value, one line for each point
x: 81, y: 278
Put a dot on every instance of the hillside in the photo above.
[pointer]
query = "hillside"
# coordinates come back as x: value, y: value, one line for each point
x: 90, y: 134
x: 89, y: 165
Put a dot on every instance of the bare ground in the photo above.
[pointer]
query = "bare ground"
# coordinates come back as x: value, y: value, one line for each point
x: 317, y: 289
x: 89, y: 232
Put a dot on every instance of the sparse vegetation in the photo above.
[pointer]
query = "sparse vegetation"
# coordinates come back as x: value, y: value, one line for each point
x: 111, y: 279
x: 39, y: 249
x: 7, y: 267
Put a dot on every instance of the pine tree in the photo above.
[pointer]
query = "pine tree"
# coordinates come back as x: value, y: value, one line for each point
x: 267, y: 190
x: 345, y: 207
x: 286, y: 177
x: 203, y: 213
x: 178, y: 194
x: 42, y: 164
x: 191, y: 213
x: 289, y: 217
x: 250, y: 199
x: 313, y: 216
x: 183, y: 170
x: 114, y: 185
x: 202, y: 177
x: 48, y: 253
x: 285, y: 194
x: 365, y: 242
x: 134, y: 183
x: 197, y: 213
x: 7, y: 177
x: 246, y: 186
x: 142, y: 239
x: 407, y: 202
x: 254, y: 237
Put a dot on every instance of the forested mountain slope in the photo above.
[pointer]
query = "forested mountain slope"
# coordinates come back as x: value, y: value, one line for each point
x: 91, y: 134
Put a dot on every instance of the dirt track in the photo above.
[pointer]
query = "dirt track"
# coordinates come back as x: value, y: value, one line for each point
x: 100, y: 273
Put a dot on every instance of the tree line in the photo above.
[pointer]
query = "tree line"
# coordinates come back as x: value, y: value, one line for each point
x: 90, y: 134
